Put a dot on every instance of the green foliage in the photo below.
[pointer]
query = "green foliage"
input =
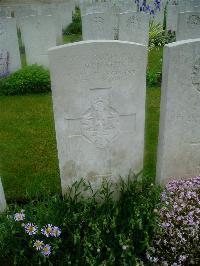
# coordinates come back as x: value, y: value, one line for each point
x: 96, y: 230
x: 30, y: 79
x: 76, y: 26
x: 153, y: 78
x: 159, y: 37
x: 156, y: 34
x: 170, y: 37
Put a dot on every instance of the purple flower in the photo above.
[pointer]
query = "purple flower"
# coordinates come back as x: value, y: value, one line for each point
x: 38, y: 244
x: 19, y: 216
x: 31, y: 229
x: 55, y: 232
x: 47, y: 230
x: 46, y: 250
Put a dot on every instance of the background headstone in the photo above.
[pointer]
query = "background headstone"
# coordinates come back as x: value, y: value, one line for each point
x: 188, y: 5
x: 9, y: 48
x: 99, y: 92
x: 38, y: 34
x: 5, y: 11
x: 179, y: 138
x: 134, y: 27
x: 2, y: 198
x: 172, y: 17
x: 99, y: 26
x: 188, y: 26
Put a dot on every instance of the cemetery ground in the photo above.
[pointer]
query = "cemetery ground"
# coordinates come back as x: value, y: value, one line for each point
x: 83, y: 231
x: 31, y: 175
x: 30, y: 165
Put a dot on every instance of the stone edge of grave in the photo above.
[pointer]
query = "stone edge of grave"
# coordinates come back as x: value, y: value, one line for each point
x: 182, y: 42
x: 3, y: 204
x: 93, y: 41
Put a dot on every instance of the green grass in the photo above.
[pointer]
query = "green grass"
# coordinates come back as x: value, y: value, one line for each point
x: 72, y: 38
x: 29, y: 165
x: 152, y: 127
x: 155, y: 59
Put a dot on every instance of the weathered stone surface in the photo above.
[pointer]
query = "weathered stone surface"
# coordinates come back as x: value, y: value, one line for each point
x: 134, y: 27
x: 9, y: 48
x: 38, y: 34
x: 188, y: 26
x: 65, y: 11
x: 2, y: 198
x: 188, y: 5
x: 100, y: 26
x: 172, y: 17
x: 5, y: 11
x: 99, y: 109
x: 179, y: 138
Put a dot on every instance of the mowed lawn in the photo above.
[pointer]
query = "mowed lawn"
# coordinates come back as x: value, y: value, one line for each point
x: 29, y: 164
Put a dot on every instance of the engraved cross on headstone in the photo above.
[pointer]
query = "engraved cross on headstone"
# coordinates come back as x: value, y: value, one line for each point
x: 100, y: 124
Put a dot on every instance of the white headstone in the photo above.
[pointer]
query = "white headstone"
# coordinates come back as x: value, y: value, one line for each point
x: 134, y: 27
x: 2, y: 198
x: 99, y: 92
x: 38, y: 34
x: 25, y: 10
x: 88, y: 8
x: 188, y: 5
x: 66, y: 10
x: 9, y: 49
x: 100, y: 26
x: 188, y: 26
x: 179, y: 138
x: 172, y: 17
x: 5, y: 11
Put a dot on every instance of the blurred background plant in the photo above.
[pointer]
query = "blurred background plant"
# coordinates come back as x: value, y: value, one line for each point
x: 76, y: 26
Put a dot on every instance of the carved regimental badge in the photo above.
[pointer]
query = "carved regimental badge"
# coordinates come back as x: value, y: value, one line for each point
x: 100, y: 123
x: 196, y: 74
x: 194, y: 20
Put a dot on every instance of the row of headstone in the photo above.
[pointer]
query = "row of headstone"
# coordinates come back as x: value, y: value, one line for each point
x: 61, y: 11
x: 111, y: 25
x: 176, y: 19
x: 124, y: 6
x: 188, y: 25
x: 99, y: 90
x: 39, y: 32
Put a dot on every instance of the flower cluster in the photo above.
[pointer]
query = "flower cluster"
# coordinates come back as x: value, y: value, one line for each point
x: 32, y: 230
x: 50, y: 230
x: 177, y: 238
x: 151, y: 8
